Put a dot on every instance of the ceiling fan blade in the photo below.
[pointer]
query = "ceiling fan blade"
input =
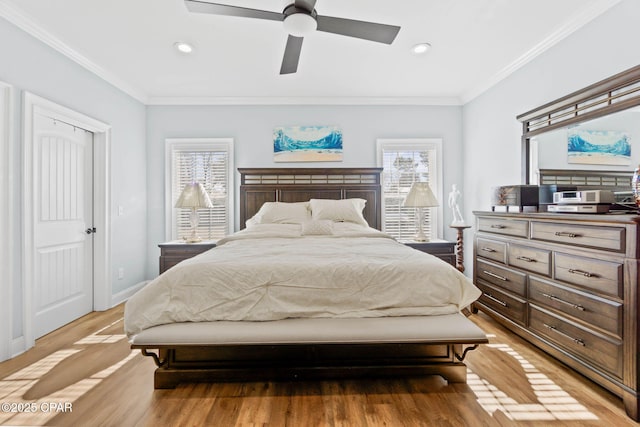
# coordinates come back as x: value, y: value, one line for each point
x: 223, y: 9
x: 360, y: 29
x: 305, y: 4
x: 291, y: 55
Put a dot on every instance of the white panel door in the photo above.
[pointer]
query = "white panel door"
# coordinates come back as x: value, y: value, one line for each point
x: 63, y: 201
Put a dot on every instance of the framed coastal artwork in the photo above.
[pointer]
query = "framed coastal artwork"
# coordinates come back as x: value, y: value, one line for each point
x: 599, y: 147
x: 307, y: 144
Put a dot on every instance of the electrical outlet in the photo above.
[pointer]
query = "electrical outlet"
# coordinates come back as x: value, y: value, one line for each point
x: 120, y: 273
x: 120, y: 210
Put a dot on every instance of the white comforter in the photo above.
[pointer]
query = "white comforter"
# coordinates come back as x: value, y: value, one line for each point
x: 271, y: 272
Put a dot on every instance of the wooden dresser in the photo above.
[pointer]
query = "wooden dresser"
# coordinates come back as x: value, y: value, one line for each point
x: 567, y: 283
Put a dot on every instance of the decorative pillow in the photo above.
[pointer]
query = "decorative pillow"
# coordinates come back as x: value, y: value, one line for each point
x: 317, y: 227
x: 253, y: 221
x: 281, y: 213
x: 346, y: 210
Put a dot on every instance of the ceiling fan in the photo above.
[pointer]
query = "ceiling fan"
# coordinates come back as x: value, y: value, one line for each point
x: 300, y: 19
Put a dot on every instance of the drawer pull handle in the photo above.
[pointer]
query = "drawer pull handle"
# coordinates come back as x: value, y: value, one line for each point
x: 488, y: 273
x: 566, y: 234
x: 499, y: 226
x: 494, y: 299
x: 559, y: 332
x: 488, y: 250
x: 581, y: 272
x: 525, y: 258
x: 570, y: 304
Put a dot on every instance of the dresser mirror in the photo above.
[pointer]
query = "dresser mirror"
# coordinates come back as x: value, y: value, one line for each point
x: 606, y: 113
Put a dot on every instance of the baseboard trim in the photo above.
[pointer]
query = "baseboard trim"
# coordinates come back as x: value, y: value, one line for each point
x: 122, y: 296
x: 18, y: 346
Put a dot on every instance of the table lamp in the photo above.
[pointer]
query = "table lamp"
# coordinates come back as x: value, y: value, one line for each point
x: 194, y: 197
x: 420, y: 196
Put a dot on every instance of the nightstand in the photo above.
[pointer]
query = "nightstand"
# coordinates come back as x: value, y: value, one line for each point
x: 443, y: 249
x: 173, y: 252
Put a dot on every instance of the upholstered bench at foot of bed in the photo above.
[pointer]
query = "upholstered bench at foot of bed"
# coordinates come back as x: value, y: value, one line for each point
x: 310, y: 348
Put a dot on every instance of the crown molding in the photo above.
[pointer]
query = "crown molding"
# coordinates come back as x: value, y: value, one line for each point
x: 578, y: 21
x: 306, y: 100
x: 27, y: 24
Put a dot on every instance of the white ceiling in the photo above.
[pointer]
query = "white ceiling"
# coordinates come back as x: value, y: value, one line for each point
x: 129, y: 43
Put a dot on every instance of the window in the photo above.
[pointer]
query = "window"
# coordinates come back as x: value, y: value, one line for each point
x: 405, y: 161
x: 207, y: 161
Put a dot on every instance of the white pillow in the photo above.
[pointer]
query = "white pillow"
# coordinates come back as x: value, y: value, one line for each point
x: 317, y: 227
x: 346, y: 210
x: 281, y: 213
x: 253, y: 221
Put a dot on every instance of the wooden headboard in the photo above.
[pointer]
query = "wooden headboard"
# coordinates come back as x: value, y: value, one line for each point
x: 260, y: 185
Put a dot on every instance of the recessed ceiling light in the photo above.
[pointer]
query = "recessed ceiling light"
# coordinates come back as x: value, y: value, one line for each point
x: 183, y: 47
x: 421, y: 48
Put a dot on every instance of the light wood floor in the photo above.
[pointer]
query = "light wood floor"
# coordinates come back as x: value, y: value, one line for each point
x: 87, y: 367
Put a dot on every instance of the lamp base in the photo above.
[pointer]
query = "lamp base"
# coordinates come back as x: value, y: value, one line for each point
x: 194, y: 220
x: 195, y: 239
x: 420, y: 238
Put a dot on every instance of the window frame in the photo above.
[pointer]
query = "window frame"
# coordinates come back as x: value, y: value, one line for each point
x: 197, y: 144
x: 435, y: 179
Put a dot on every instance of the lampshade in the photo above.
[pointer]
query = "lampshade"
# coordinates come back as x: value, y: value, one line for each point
x: 194, y: 196
x: 420, y: 196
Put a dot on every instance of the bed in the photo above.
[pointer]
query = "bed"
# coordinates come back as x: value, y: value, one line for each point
x: 308, y: 288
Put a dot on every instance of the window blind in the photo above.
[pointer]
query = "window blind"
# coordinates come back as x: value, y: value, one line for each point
x: 402, y: 166
x: 211, y: 167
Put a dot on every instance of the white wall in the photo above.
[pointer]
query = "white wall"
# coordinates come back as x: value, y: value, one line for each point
x: 251, y: 128
x: 491, y: 133
x: 30, y: 65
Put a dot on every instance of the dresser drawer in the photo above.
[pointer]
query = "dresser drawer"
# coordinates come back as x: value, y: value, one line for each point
x: 593, y: 274
x: 492, y: 249
x: 172, y: 253
x: 531, y: 259
x: 510, y: 280
x: 508, y: 305
x: 510, y: 227
x: 607, y: 238
x: 595, y: 349
x: 184, y: 250
x: 599, y: 312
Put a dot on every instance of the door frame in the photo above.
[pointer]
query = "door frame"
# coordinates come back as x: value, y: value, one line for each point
x: 33, y: 104
x: 6, y: 220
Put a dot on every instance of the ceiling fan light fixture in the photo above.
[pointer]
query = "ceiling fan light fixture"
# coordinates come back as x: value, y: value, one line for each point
x: 420, y: 48
x: 183, y: 47
x: 300, y: 24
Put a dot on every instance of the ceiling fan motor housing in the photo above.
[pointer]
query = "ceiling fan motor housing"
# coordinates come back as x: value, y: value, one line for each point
x: 299, y: 22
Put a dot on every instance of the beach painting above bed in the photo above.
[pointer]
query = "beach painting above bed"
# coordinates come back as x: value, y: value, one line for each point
x: 596, y: 147
x: 307, y: 144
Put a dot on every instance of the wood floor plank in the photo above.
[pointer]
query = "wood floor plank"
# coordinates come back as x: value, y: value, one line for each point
x: 255, y: 406
x: 89, y: 365
x: 348, y: 401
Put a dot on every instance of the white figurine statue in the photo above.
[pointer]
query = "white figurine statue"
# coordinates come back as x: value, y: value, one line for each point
x: 454, y: 197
